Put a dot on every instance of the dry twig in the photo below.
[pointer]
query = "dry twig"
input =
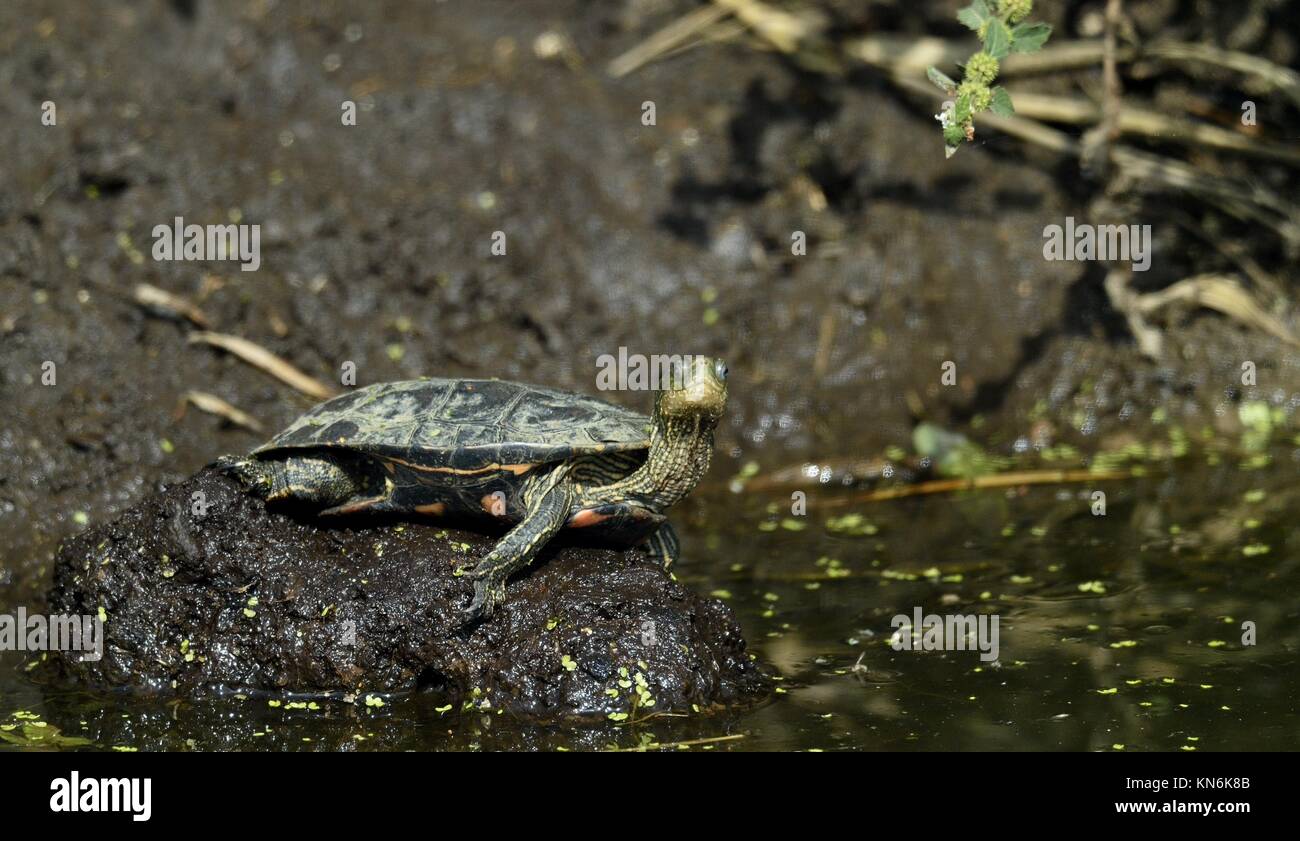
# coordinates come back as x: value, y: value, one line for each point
x: 214, y: 405
x: 261, y: 358
x: 168, y: 304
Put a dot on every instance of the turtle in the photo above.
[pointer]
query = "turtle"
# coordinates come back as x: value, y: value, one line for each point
x: 534, y: 458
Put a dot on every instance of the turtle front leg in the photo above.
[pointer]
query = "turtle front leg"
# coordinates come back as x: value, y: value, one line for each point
x: 549, y: 505
x: 663, y: 545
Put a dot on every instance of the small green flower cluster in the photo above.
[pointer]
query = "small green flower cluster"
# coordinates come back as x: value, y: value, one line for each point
x: 1002, y: 31
x: 1014, y: 11
x: 980, y: 71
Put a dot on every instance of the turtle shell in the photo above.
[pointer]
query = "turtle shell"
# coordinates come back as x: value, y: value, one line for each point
x: 465, y: 424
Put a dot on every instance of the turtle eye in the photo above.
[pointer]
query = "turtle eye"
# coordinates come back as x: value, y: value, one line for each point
x: 720, y: 370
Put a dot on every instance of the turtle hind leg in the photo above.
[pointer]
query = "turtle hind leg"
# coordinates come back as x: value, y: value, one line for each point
x: 257, y: 477
x: 321, y: 483
x: 317, y: 482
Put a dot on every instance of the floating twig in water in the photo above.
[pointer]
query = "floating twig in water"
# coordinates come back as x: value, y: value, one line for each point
x: 683, y: 744
x: 214, y: 405
x: 997, y: 480
x: 260, y: 357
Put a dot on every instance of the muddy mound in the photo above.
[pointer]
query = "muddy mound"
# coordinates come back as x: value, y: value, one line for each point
x: 202, y: 588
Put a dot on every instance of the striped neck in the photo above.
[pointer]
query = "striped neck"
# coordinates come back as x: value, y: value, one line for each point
x: 680, y: 449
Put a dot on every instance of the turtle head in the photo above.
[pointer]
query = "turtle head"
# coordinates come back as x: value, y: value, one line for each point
x: 698, y: 391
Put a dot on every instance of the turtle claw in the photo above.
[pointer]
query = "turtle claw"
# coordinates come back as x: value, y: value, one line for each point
x: 488, y: 594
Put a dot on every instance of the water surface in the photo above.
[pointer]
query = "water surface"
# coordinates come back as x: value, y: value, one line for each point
x: 1117, y: 632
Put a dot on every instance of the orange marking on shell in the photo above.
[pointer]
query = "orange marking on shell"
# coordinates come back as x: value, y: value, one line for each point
x: 586, y: 517
x: 517, y: 469
x: 432, y: 508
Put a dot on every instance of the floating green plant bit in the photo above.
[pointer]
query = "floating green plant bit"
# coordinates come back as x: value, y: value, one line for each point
x: 853, y: 525
x: 747, y: 472
x: 28, y: 730
x: 953, y: 455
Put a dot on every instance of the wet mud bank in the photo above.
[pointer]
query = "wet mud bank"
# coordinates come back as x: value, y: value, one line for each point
x: 239, y: 597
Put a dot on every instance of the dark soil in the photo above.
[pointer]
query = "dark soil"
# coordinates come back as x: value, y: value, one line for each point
x: 242, y: 598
